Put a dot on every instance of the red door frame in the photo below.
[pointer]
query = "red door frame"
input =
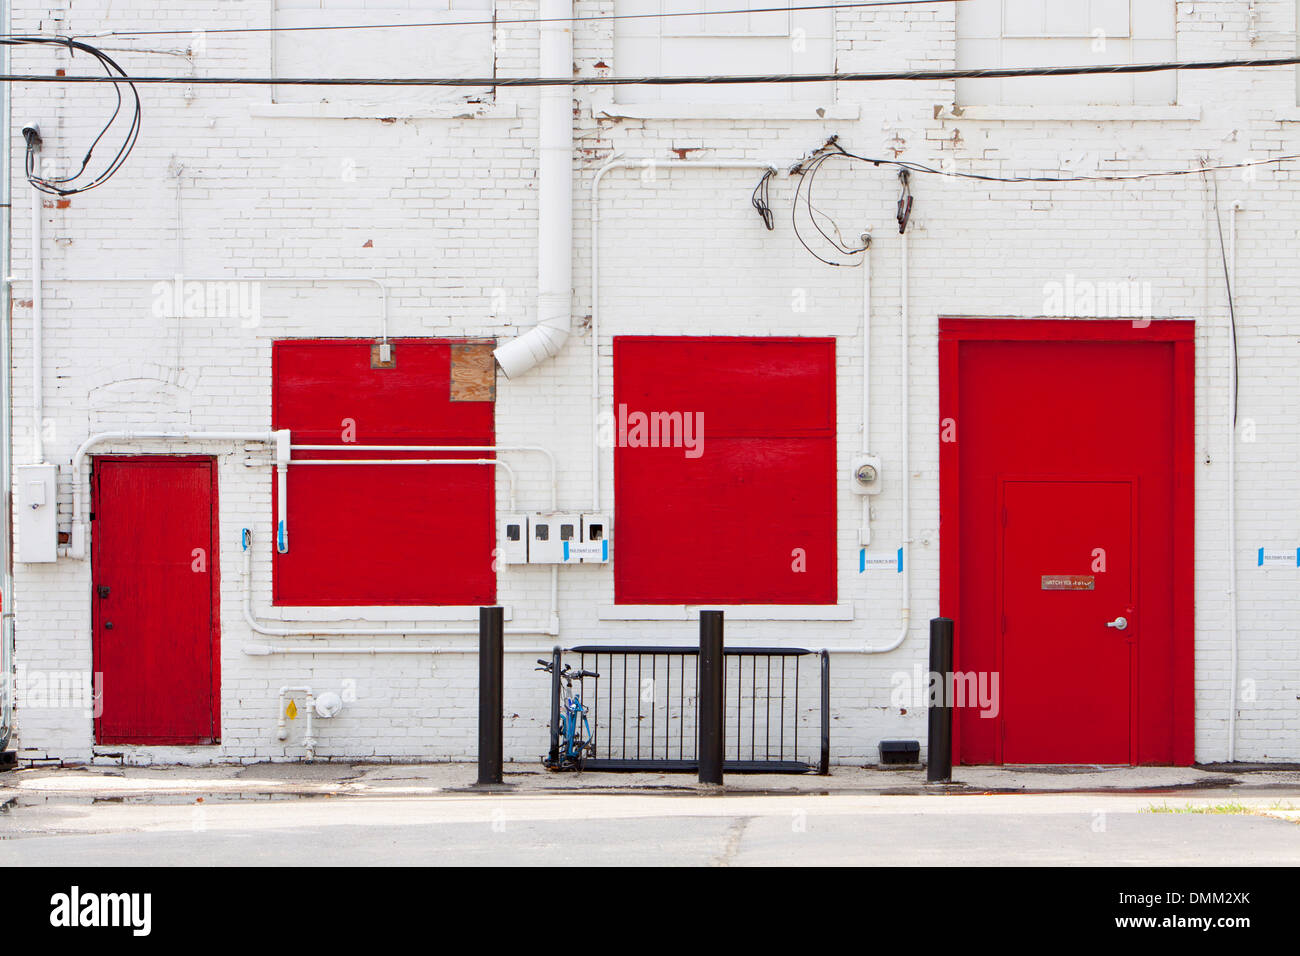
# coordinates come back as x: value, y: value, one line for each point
x: 952, y: 332
x: 214, y: 570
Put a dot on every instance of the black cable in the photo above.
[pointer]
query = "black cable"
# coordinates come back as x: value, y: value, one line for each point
x: 1232, y: 308
x: 856, y: 4
x: 60, y: 186
x: 730, y: 80
x: 759, y: 200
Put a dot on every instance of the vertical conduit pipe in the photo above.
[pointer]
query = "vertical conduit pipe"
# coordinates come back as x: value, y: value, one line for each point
x: 905, y: 612
x: 1232, y: 494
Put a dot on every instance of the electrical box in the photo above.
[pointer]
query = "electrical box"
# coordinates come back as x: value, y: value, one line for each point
x: 38, y: 529
x: 594, y: 547
x: 513, y: 548
x: 554, y: 538
x: 549, y: 533
x: 864, y: 475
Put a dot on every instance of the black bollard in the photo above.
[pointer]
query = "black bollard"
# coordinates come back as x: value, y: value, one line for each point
x: 712, y: 668
x: 553, y: 758
x: 491, y: 656
x: 939, y: 767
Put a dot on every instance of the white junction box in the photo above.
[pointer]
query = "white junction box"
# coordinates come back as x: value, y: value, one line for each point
x: 548, y: 534
x: 594, y: 547
x: 513, y: 548
x: 38, y: 528
x: 554, y: 538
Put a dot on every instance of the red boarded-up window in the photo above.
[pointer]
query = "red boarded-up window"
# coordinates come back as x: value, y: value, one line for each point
x: 724, y: 470
x: 383, y: 534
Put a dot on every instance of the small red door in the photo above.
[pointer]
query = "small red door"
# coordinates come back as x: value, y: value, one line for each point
x: 1068, y: 622
x: 154, y: 565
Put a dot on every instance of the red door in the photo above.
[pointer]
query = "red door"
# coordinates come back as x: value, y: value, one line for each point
x: 1068, y: 622
x: 1071, y: 425
x: 154, y: 565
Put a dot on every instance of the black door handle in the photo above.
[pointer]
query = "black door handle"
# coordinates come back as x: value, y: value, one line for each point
x: 102, y: 590
x: 108, y: 625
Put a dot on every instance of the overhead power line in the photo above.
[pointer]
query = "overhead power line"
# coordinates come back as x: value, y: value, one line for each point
x: 81, y: 181
x: 853, y: 4
x: 811, y: 164
x: 738, y: 80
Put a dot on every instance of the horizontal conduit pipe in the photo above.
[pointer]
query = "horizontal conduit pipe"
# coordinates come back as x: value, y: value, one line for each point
x: 496, y: 462
x: 536, y: 449
x: 378, y: 284
x: 77, y: 547
x: 552, y: 628
x: 268, y: 650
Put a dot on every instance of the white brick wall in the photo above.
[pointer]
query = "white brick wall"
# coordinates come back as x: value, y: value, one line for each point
x: 442, y: 211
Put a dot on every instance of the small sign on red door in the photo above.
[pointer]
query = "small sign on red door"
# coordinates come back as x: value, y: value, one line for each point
x: 1069, y: 582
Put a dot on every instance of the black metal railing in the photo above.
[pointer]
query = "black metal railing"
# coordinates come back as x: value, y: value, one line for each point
x: 644, y: 708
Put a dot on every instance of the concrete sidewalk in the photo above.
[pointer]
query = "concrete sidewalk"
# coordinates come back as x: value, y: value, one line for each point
x: 284, y: 780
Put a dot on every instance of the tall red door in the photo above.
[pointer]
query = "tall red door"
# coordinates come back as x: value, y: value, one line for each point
x: 1065, y: 448
x: 154, y: 565
x: 1068, y: 622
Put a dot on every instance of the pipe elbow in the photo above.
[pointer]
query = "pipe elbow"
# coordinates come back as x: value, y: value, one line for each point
x: 540, y: 343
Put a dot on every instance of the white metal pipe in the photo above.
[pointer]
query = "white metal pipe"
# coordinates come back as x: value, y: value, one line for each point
x: 347, y: 279
x: 281, y: 727
x: 259, y: 627
x: 1232, y: 498
x: 865, y: 536
x: 38, y: 335
x: 282, y: 502
x: 618, y: 162
x: 554, y: 201
x: 905, y: 611
x: 77, y: 549
x: 550, y: 458
x: 495, y: 462
x: 269, y: 650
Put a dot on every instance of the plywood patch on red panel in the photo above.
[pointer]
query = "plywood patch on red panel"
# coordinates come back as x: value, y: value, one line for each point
x: 473, y: 371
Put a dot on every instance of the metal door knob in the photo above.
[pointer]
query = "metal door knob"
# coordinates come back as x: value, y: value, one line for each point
x: 1118, y: 624
x: 108, y: 625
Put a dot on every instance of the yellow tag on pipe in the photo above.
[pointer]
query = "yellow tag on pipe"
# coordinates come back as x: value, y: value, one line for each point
x: 291, y: 711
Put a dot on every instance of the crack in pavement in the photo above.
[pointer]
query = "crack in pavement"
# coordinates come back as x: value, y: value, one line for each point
x: 735, y: 833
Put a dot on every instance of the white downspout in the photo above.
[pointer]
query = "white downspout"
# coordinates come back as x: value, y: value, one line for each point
x: 905, y: 612
x: 554, y: 202
x: 1232, y: 500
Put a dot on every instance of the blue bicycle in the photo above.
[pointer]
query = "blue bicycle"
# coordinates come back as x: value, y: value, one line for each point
x: 576, y: 738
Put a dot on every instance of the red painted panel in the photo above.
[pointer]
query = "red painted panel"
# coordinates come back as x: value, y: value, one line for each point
x: 384, y: 534
x: 723, y: 527
x: 1065, y: 552
x: 1072, y: 400
x: 155, y: 633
